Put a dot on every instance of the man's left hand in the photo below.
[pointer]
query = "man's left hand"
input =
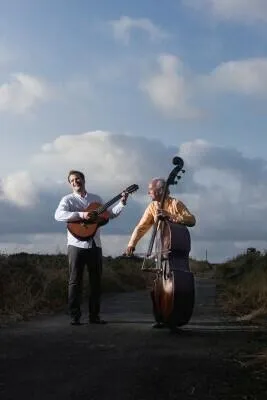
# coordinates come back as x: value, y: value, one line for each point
x: 162, y: 214
x: 124, y: 197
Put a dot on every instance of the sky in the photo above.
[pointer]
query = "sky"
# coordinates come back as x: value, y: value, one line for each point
x: 117, y: 89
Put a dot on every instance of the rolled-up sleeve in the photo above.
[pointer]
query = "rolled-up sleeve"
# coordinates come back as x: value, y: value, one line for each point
x: 142, y: 227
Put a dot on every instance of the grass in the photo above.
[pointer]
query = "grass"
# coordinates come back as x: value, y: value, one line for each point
x: 242, y: 284
x: 242, y: 293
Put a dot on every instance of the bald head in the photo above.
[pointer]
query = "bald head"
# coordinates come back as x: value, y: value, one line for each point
x: 158, y: 182
x: 156, y: 188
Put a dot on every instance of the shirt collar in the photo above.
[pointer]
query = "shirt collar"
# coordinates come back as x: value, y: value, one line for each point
x: 79, y: 196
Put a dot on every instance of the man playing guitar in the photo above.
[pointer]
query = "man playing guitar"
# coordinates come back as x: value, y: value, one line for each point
x: 84, y: 250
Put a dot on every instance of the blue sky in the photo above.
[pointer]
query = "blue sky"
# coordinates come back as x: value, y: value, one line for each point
x: 180, y: 77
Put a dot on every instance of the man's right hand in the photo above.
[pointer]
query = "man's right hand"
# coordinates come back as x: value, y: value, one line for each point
x: 89, y: 215
x: 129, y: 251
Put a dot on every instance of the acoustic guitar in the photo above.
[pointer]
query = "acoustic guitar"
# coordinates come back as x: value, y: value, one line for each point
x: 85, y: 229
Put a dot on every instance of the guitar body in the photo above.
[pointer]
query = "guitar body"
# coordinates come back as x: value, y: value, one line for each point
x: 85, y: 229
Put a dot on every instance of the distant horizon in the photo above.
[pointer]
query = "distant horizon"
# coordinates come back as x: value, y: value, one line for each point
x: 59, y: 253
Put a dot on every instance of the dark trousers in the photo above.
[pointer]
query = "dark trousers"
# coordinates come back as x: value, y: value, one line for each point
x: 78, y: 258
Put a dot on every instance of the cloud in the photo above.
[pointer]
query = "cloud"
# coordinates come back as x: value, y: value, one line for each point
x: 230, y: 202
x: 169, y: 89
x: 125, y: 25
x: 22, y: 93
x: 202, y: 154
x: 245, y: 11
x: 111, y: 162
x: 108, y: 160
x: 247, y: 77
x: 18, y: 188
x: 223, y: 188
x: 177, y: 93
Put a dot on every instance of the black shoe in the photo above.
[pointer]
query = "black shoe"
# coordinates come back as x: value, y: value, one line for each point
x: 97, y: 320
x: 158, y: 325
x: 75, y: 321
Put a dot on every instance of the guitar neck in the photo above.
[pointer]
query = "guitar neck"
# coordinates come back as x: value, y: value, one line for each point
x: 103, y: 208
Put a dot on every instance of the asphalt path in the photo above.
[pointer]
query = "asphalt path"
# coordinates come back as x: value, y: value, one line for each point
x: 46, y: 358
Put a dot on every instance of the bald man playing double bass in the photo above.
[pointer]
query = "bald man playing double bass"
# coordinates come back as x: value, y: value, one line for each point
x: 174, y: 210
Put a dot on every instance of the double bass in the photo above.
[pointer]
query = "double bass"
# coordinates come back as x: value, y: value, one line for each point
x: 173, y: 289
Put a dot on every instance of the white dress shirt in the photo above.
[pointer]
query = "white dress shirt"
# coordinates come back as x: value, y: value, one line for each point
x: 71, y: 208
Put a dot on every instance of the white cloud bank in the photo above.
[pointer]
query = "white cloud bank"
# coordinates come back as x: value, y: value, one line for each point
x: 110, y: 161
x: 224, y: 189
x: 123, y: 27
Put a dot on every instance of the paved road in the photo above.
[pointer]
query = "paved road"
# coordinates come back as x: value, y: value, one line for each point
x: 126, y: 359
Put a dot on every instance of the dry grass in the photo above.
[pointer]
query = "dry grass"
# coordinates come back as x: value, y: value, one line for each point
x: 31, y: 283
x: 243, y: 286
x: 200, y: 267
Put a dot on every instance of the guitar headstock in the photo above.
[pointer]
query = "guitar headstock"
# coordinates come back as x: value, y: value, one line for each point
x: 131, y: 189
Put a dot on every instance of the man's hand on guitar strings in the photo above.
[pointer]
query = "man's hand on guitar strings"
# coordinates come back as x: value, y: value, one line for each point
x: 90, y: 216
x: 124, y: 197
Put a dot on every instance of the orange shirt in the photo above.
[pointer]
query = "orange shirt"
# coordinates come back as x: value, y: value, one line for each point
x: 176, y: 210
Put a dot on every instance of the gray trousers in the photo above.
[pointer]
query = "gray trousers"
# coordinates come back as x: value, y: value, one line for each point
x: 78, y: 258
